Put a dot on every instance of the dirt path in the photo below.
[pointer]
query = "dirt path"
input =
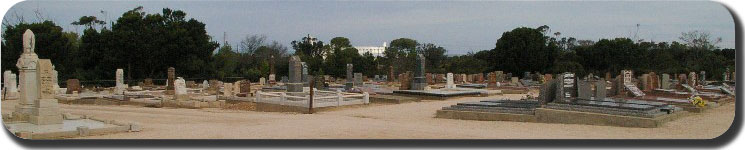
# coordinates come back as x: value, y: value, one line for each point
x: 376, y: 121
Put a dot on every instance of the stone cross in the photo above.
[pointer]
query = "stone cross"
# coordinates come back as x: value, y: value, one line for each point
x: 450, y: 83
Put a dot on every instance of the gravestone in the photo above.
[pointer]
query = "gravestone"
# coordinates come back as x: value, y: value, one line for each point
x: 73, y: 85
x: 692, y: 79
x: 682, y: 79
x: 10, y: 89
x: 148, y: 82
x: 591, y: 89
x: 179, y: 88
x: 27, y: 74
x: 428, y: 78
x: 480, y: 78
x: 171, y: 78
x: 319, y: 82
x: 246, y: 87
x: 492, y: 79
x: 419, y: 82
x: 449, y: 83
x: 46, y: 110
x: 702, y: 78
x: 608, y: 76
x: 304, y: 76
x: 441, y: 78
x: 237, y: 86
x: 358, y: 81
x: 227, y: 90
x: 120, y: 87
x: 205, y: 84
x: 653, y: 81
x: 499, y: 75
x: 295, y: 72
x: 405, y: 79
x: 644, y: 82
x: 567, y: 89
x: 515, y: 81
x: 55, y: 81
x: 458, y: 79
x: 349, y: 80
x: 262, y: 81
x: 272, y: 79
x: 665, y: 81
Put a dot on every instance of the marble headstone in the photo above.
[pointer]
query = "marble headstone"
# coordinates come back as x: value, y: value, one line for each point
x: 46, y: 110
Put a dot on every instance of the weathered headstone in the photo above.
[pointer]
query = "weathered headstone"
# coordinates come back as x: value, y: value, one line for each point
x: 319, y: 82
x: 692, y: 79
x: 170, y: 80
x: 591, y: 89
x: 644, y: 82
x: 702, y: 78
x: 358, y: 81
x: 349, y: 80
x: 665, y: 81
x: 246, y: 87
x: 304, y: 77
x: 10, y: 84
x: 148, y: 82
x: 73, y: 85
x: 450, y: 84
x: 179, y: 87
x: 262, y: 81
x: 272, y: 79
x: 295, y: 72
x: 237, y: 86
x: 492, y: 77
x: 405, y: 79
x: 227, y: 90
x: 46, y: 110
x: 120, y: 87
x: 515, y: 81
x: 419, y: 82
x: 205, y: 84
x: 28, y: 84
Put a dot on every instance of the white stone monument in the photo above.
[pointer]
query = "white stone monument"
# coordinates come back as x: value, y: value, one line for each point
x: 205, y: 84
x: 10, y: 91
x: 180, y: 89
x: 450, y: 84
x: 262, y: 81
x: 46, y: 110
x: 120, y: 87
x: 28, y: 87
x: 272, y: 78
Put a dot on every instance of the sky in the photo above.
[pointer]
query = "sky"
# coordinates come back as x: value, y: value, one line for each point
x: 459, y: 27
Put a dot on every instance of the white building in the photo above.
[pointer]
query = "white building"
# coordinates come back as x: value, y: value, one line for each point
x: 374, y: 50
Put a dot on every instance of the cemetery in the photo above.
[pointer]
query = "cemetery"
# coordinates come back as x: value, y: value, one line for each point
x: 494, y: 96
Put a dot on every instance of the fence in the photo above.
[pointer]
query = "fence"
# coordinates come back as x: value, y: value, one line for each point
x: 320, y: 99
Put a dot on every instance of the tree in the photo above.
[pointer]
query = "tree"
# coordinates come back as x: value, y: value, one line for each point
x: 434, y: 56
x: 311, y: 51
x: 51, y: 43
x: 523, y: 50
x: 89, y: 21
x: 699, y: 40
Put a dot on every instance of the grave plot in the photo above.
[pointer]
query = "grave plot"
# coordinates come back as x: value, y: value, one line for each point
x: 38, y: 115
x: 418, y: 86
x: 570, y: 102
x: 300, y: 101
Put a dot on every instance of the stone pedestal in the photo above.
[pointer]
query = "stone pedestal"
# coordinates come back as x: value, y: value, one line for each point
x: 349, y: 84
x: 28, y: 84
x: 450, y: 84
x: 295, y: 71
x: 10, y: 89
x: 420, y: 80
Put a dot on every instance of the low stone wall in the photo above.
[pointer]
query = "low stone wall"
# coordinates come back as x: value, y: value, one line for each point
x: 484, y: 116
x: 576, y: 117
x: 192, y: 104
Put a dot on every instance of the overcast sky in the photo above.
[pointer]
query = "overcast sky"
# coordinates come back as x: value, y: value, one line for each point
x: 460, y: 27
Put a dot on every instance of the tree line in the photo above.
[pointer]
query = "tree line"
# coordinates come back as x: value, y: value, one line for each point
x: 145, y: 45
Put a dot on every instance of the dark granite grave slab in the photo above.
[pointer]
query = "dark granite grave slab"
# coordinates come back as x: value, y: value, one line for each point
x: 438, y: 93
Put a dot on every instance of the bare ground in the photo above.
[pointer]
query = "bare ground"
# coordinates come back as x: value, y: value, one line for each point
x: 376, y: 121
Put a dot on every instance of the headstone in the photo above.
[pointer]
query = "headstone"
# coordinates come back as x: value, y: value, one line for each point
x: 645, y: 82
x: 419, y: 82
x: 428, y: 78
x: 702, y: 78
x: 358, y: 81
x: 492, y: 79
x: 627, y: 76
x: 171, y: 78
x: 237, y: 86
x: 295, y: 73
x: 227, y: 90
x: 349, y: 81
x: 608, y: 76
x: 120, y: 87
x: 205, y: 84
x: 591, y: 89
x: 148, y: 82
x: 304, y: 76
x: 73, y: 85
x: 692, y: 79
x: 319, y: 82
x: 10, y: 84
x: 405, y: 79
x: 179, y: 87
x: 55, y: 79
x: 27, y: 74
x: 666, y: 81
x: 653, y: 81
x: 46, y: 110
x: 500, y: 76
x: 514, y: 81
x: 246, y: 87
x: 568, y: 88
x: 262, y: 81
x: 548, y: 77
x: 450, y: 84
x: 272, y: 79
x: 682, y: 79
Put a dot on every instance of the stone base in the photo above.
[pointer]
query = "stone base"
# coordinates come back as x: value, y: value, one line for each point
x: 485, y: 116
x: 418, y: 86
x: 575, y: 117
x: 294, y: 87
x: 181, y: 97
x: 45, y: 120
x: 10, y: 96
